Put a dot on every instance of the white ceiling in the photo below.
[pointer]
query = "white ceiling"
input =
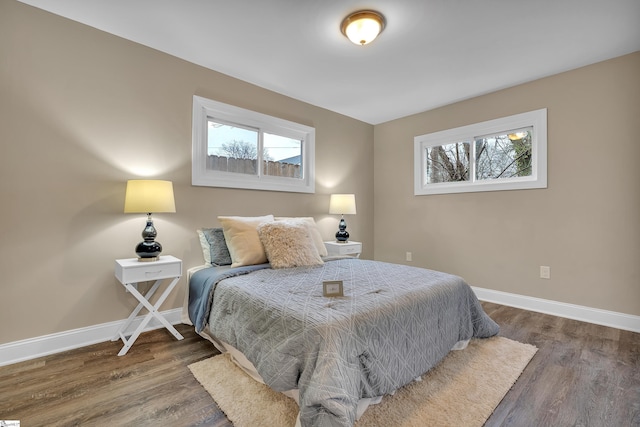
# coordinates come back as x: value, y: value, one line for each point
x: 431, y: 53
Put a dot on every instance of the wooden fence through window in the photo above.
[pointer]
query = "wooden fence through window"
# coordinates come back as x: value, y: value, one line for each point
x: 248, y: 166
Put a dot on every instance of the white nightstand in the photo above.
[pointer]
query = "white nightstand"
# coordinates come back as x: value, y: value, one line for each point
x: 353, y: 249
x: 129, y: 272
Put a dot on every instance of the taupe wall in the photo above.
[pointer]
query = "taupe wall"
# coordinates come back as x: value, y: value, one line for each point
x: 585, y: 225
x: 82, y: 111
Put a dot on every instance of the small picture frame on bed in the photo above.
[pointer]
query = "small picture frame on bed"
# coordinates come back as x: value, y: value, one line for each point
x: 332, y: 288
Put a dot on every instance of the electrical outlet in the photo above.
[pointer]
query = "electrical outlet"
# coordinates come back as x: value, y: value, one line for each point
x: 545, y: 272
x: 409, y: 256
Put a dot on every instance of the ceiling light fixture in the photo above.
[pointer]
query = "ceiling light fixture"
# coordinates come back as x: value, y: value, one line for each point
x: 363, y: 27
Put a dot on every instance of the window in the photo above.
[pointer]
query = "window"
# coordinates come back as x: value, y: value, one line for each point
x: 503, y: 154
x: 238, y: 148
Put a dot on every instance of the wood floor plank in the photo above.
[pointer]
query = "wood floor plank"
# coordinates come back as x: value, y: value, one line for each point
x: 582, y: 375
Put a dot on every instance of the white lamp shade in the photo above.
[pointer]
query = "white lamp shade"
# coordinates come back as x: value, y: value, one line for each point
x: 149, y: 196
x: 342, y: 204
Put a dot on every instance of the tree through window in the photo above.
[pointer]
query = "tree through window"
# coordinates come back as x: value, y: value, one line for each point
x: 448, y: 163
x: 506, y: 155
x: 501, y: 154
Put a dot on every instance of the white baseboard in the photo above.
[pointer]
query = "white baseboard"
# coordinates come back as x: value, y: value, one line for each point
x: 612, y: 319
x: 19, y: 351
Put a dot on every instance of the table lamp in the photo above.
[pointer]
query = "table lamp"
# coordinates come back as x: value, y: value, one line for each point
x: 148, y: 196
x: 342, y: 204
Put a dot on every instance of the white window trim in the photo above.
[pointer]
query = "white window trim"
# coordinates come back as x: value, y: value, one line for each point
x: 538, y: 178
x: 204, y: 108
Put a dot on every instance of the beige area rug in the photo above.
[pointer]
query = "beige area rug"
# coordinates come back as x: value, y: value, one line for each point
x: 463, y: 390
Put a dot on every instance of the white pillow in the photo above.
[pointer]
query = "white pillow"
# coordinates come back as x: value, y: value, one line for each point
x: 288, y: 244
x: 310, y: 223
x: 242, y: 239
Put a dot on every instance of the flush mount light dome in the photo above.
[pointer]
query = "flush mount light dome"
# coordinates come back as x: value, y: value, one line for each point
x: 363, y: 27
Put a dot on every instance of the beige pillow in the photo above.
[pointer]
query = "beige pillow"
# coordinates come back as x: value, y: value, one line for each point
x: 310, y: 223
x: 288, y: 244
x: 241, y: 235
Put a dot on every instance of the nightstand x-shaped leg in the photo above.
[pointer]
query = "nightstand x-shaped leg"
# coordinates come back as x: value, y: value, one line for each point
x: 153, y: 312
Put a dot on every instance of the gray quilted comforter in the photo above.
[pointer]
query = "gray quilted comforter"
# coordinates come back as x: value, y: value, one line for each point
x: 393, y: 324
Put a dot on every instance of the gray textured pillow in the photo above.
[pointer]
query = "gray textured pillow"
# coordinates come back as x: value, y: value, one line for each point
x: 288, y: 244
x: 214, y: 246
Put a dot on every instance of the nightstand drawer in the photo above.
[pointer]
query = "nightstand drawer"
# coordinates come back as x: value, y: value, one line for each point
x: 133, y: 271
x: 349, y: 248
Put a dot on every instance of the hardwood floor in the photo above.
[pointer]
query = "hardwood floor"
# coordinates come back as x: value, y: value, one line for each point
x: 92, y: 386
x: 582, y: 375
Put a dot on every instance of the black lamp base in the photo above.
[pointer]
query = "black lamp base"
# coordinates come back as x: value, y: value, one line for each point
x: 149, y: 250
x: 342, y: 236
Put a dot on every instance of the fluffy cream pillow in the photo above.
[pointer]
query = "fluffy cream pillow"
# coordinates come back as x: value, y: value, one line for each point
x: 310, y: 223
x: 241, y: 235
x: 288, y: 244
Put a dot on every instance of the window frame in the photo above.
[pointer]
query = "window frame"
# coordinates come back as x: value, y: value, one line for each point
x: 204, y: 109
x: 538, y: 179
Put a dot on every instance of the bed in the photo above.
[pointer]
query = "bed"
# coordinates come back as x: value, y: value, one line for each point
x: 334, y: 355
